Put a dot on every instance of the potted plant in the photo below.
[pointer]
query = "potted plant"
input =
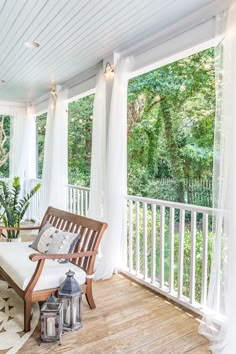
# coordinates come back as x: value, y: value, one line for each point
x: 13, y: 206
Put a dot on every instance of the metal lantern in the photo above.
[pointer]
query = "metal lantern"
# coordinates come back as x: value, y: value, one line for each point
x: 71, y: 295
x: 51, y: 320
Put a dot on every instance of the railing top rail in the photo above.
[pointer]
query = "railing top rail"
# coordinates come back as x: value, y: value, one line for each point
x: 188, y: 207
x: 67, y: 185
x: 78, y: 187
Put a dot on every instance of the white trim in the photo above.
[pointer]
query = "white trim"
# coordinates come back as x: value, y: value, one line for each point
x: 200, y: 18
x: 40, y: 113
x: 11, y: 108
x: 41, y: 99
x: 81, y: 88
x: 176, y: 44
x: 175, y: 57
x: 12, y: 104
x: 82, y: 77
x: 40, y: 108
x: 81, y: 95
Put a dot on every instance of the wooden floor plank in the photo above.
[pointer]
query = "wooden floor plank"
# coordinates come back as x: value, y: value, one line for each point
x: 128, y: 319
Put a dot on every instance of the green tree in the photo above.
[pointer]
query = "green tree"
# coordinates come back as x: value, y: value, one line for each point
x: 41, y: 130
x: 171, y: 123
x: 5, y: 128
x: 80, y: 121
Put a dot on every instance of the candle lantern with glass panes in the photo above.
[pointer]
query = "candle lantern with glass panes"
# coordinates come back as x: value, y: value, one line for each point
x: 70, y: 294
x: 51, y: 320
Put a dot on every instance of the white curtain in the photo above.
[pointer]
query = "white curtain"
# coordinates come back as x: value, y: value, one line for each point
x: 31, y: 137
x: 22, y: 148
x: 55, y: 164
x: 219, y: 321
x: 98, y: 162
x: 116, y: 175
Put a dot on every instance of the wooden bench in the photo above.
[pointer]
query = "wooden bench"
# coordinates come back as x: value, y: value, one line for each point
x: 84, y: 256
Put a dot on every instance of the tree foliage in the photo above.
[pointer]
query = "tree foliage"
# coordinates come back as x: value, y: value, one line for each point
x: 41, y: 130
x: 171, y: 124
x: 5, y: 125
x: 80, y: 121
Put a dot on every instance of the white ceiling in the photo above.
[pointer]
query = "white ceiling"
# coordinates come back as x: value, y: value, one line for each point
x: 74, y: 35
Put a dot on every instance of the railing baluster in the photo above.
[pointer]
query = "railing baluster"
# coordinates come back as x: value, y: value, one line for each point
x: 172, y: 242
x: 77, y: 192
x: 204, y: 259
x: 145, y: 264
x: 82, y: 203
x: 88, y: 198
x: 137, y: 240
x: 181, y: 253
x: 125, y: 249
x: 153, y: 271
x: 86, y: 202
x: 162, y: 246
x: 130, y: 236
x: 78, y: 201
x: 218, y: 274
x: 71, y: 201
x: 74, y: 201
x: 193, y: 257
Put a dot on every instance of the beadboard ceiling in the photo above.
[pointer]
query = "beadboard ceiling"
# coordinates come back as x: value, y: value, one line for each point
x: 74, y: 35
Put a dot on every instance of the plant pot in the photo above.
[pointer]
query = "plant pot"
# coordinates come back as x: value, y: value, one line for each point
x: 18, y: 239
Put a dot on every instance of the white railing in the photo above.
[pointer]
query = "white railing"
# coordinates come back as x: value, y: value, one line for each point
x: 77, y: 200
x: 168, y: 245
x: 4, y: 179
x: 33, y: 212
x: 168, y: 248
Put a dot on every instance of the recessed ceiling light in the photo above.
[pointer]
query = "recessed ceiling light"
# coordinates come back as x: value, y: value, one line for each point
x: 31, y: 44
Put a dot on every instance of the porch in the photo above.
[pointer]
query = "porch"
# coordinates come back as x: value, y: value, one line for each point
x: 55, y: 53
x: 146, y: 307
x: 129, y: 318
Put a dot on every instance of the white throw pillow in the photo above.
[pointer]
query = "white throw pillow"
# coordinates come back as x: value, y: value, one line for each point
x: 51, y: 240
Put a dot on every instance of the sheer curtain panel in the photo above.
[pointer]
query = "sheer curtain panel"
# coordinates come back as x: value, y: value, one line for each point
x: 98, y: 162
x: 219, y: 322
x: 116, y: 175
x: 22, y: 162
x: 55, y: 165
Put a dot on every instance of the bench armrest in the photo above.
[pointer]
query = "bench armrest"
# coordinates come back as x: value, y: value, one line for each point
x: 2, y: 228
x: 38, y: 256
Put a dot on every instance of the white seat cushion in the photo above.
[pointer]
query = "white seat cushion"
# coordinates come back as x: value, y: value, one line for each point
x: 14, y: 260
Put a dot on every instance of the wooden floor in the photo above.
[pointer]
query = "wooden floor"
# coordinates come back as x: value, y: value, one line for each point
x: 128, y: 319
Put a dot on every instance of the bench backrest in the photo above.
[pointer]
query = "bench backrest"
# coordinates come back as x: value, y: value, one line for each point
x: 90, y: 231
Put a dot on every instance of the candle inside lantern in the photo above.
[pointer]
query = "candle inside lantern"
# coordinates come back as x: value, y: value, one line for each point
x: 67, y: 319
x: 51, y: 331
x: 68, y: 315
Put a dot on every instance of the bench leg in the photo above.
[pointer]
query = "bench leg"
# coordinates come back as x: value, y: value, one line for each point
x: 27, y: 314
x: 89, y: 294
